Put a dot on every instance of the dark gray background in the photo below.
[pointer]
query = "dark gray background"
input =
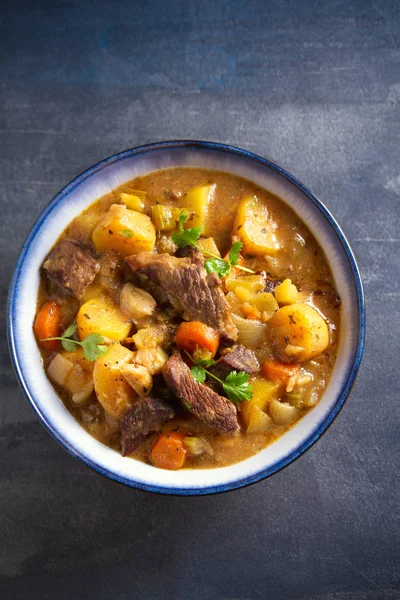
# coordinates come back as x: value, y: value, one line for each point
x: 316, y: 87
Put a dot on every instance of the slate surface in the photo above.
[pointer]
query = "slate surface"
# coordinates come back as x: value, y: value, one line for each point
x: 316, y: 87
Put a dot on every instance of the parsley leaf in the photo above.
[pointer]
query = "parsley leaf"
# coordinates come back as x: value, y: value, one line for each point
x: 127, y: 233
x: 93, y: 346
x: 199, y: 374
x: 234, y: 253
x: 236, y: 386
x: 69, y: 345
x: 199, y: 362
x: 69, y: 332
x: 217, y: 265
x: 185, y: 237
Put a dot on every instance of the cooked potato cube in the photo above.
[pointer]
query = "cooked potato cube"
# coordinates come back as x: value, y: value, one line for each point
x: 112, y: 390
x: 255, y: 227
x: 263, y: 392
x: 136, y: 303
x: 150, y: 337
x: 139, y: 378
x: 300, y: 327
x: 286, y: 293
x: 254, y: 419
x: 198, y: 201
x: 253, y: 283
x: 242, y: 293
x: 126, y: 231
x: 154, y: 359
x: 208, y: 245
x: 132, y: 202
x: 163, y: 218
x: 101, y: 315
x: 265, y: 302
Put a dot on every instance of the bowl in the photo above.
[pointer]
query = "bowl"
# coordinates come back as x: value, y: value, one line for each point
x: 104, y: 177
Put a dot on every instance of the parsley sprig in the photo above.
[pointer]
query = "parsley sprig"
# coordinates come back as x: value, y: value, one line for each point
x: 215, y: 264
x: 93, y: 345
x: 235, y: 385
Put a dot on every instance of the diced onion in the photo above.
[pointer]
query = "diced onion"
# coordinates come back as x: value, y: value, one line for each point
x: 59, y: 369
x: 282, y: 414
x: 83, y: 394
x: 251, y: 332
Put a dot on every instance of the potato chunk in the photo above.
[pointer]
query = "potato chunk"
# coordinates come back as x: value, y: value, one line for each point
x: 153, y: 359
x: 298, y: 327
x: 139, y: 378
x: 255, y: 227
x: 125, y: 231
x: 113, y: 391
x: 254, y: 419
x: 101, y: 315
x: 198, y: 201
x: 286, y: 293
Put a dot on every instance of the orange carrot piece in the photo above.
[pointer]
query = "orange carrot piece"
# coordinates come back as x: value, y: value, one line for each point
x: 168, y: 451
x: 250, y: 311
x: 194, y: 334
x: 47, y: 324
x: 278, y: 371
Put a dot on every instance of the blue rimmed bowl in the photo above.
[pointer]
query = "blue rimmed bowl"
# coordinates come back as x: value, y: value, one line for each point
x: 101, y: 179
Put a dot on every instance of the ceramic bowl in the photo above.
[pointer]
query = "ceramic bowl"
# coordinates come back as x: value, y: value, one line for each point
x: 106, y: 176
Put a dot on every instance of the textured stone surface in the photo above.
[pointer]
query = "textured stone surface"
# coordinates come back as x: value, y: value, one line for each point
x: 316, y: 87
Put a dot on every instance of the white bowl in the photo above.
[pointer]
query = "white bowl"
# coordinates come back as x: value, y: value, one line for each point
x: 101, y: 179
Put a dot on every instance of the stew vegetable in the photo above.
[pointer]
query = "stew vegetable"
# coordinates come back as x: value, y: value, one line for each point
x: 188, y: 319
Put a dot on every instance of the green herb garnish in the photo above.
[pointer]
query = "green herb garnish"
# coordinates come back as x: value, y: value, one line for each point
x: 215, y: 264
x: 93, y: 346
x: 236, y: 385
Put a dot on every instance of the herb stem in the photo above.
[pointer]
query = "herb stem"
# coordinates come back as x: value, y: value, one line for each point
x: 62, y: 339
x: 211, y: 255
x: 208, y: 372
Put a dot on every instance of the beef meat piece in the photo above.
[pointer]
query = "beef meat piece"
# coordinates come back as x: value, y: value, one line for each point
x: 146, y: 415
x: 239, y: 358
x: 72, y: 266
x: 188, y: 287
x: 200, y: 400
x: 271, y: 284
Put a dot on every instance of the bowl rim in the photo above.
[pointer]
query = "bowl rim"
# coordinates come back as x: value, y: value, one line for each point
x: 310, y: 439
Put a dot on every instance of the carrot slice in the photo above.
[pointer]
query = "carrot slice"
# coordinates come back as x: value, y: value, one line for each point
x: 168, y: 451
x: 278, y: 371
x: 47, y: 324
x: 194, y: 334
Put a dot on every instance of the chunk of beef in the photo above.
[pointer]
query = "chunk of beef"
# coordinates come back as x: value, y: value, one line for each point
x: 239, y: 358
x: 188, y: 287
x: 200, y: 400
x: 146, y: 415
x: 271, y: 284
x: 72, y: 266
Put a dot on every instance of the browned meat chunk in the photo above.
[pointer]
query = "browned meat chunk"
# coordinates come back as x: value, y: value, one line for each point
x: 239, y: 358
x: 271, y: 284
x: 145, y: 416
x: 72, y: 266
x: 200, y: 400
x: 196, y: 294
